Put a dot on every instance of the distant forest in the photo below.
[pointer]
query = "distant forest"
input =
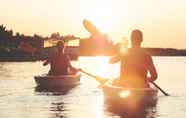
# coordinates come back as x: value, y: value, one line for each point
x: 10, y: 45
x: 9, y: 42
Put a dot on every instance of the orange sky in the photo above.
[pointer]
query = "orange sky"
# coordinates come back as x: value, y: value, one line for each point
x: 162, y: 21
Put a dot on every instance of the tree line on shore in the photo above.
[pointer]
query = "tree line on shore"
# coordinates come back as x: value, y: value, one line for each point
x: 9, y: 42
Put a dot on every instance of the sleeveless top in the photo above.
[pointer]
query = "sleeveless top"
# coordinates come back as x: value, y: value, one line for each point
x: 134, y: 68
x: 59, y: 64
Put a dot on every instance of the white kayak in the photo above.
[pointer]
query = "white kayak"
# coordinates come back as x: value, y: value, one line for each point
x: 49, y: 81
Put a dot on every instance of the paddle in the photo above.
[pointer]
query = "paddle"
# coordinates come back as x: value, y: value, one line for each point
x: 99, y: 79
x: 90, y: 27
x: 102, y: 81
x: 166, y: 94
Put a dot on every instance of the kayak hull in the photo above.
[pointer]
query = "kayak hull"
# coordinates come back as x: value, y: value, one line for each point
x: 47, y: 81
x: 130, y: 96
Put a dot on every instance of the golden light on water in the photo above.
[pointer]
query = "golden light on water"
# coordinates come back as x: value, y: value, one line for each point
x: 125, y: 93
x: 102, y: 65
x: 98, y: 107
x: 104, y: 69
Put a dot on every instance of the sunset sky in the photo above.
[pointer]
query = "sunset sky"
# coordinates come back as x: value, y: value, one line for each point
x: 163, y: 22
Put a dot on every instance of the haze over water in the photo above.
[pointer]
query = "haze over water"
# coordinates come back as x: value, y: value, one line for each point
x: 20, y: 99
x: 162, y: 21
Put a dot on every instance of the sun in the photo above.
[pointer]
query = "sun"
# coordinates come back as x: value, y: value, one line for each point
x: 106, y: 15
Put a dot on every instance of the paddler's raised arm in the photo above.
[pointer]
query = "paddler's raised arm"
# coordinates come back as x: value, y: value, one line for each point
x: 47, y: 61
x: 115, y: 59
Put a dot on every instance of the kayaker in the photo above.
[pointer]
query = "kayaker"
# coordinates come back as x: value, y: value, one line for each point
x: 136, y: 63
x: 59, y: 61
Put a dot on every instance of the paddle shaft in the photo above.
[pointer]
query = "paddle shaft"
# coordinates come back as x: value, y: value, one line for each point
x: 101, y: 80
x: 166, y: 94
x: 88, y: 74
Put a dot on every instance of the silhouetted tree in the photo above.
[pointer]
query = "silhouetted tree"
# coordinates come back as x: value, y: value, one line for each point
x: 55, y: 35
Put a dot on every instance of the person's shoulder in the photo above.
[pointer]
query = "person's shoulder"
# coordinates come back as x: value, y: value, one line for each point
x: 52, y: 55
x: 148, y: 56
x: 66, y: 55
x: 145, y: 52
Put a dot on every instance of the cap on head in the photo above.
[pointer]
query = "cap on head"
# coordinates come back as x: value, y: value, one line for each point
x: 137, y: 36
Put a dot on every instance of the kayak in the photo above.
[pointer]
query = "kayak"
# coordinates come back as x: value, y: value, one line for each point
x: 128, y: 96
x: 48, y: 81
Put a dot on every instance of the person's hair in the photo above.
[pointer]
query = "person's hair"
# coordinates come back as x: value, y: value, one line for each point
x: 137, y: 35
x: 60, y: 43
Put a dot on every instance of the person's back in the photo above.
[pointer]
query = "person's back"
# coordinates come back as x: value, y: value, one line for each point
x: 136, y: 64
x: 59, y: 64
x: 59, y: 61
x: 134, y: 68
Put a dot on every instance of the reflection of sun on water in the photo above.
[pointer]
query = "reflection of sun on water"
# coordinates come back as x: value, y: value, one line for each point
x: 104, y: 69
x: 98, y: 107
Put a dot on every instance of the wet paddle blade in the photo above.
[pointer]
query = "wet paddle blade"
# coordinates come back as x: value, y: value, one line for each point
x: 101, y: 80
x: 90, y: 27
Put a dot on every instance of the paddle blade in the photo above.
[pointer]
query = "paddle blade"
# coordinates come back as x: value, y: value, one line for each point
x: 101, y: 80
x: 90, y: 27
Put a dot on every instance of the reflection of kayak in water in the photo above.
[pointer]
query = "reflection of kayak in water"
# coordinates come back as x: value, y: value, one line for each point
x: 50, y: 81
x: 55, y: 90
x: 130, y: 96
x: 126, y: 102
x: 115, y: 93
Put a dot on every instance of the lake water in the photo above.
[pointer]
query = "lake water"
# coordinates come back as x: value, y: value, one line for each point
x: 19, y: 97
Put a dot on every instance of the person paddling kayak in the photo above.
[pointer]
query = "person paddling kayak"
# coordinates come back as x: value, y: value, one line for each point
x: 135, y: 64
x: 59, y: 62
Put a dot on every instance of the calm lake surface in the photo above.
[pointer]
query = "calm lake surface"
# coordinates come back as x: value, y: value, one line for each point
x: 19, y: 97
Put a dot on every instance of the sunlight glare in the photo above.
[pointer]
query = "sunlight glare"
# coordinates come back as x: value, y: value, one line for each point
x: 102, y: 63
x: 107, y: 14
x: 98, y: 106
x: 125, y: 93
x: 104, y: 69
x: 123, y: 46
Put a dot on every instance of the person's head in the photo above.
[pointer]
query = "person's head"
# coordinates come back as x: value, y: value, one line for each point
x: 136, y: 38
x: 60, y: 45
